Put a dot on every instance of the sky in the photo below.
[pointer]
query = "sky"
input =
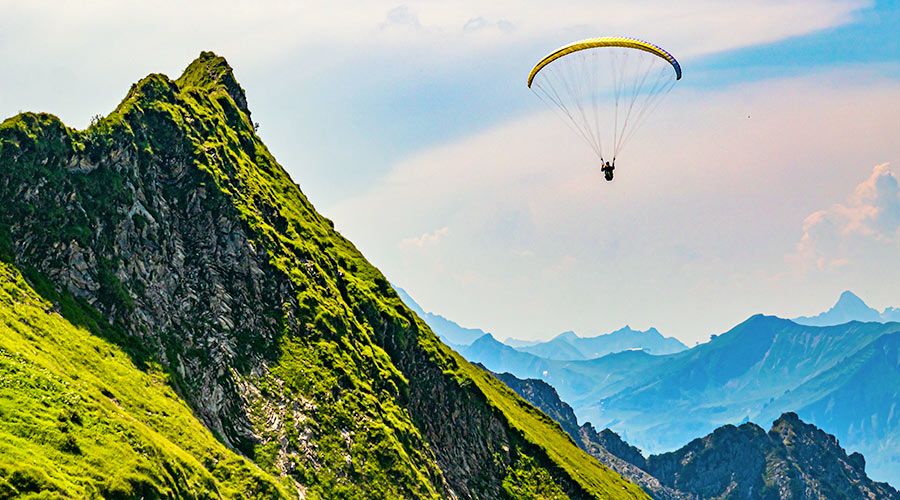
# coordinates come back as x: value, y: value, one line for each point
x: 766, y: 182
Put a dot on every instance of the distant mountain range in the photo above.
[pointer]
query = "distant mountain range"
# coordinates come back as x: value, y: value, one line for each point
x: 570, y: 347
x: 567, y: 346
x: 793, y: 460
x: 450, y: 332
x: 849, y: 307
x: 844, y: 378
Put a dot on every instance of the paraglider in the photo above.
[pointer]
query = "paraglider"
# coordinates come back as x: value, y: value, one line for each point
x: 605, y: 88
x: 607, y: 170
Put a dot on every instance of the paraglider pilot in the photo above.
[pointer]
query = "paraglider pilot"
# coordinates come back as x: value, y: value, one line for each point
x: 607, y: 170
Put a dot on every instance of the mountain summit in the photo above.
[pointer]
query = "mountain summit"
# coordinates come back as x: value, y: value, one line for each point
x: 849, y: 307
x: 170, y: 237
x: 568, y: 346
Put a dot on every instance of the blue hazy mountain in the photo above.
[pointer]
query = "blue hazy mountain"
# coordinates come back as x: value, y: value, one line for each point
x: 849, y: 307
x: 844, y: 379
x: 891, y: 314
x: 857, y: 399
x: 450, y: 332
x: 591, y: 379
x: 569, y: 346
x: 513, y: 342
x: 756, y: 371
x: 568, y: 378
x: 558, y: 347
x: 731, y: 462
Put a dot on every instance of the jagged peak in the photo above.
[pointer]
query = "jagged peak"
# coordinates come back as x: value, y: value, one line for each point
x: 43, y: 131
x: 567, y: 335
x: 847, y: 297
x: 788, y: 418
x: 210, y: 70
x: 155, y: 86
x: 487, y: 338
x: 849, y: 307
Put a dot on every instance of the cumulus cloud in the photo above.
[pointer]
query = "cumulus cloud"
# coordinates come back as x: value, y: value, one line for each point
x: 403, y: 16
x: 477, y: 24
x: 833, y: 237
x: 425, y: 240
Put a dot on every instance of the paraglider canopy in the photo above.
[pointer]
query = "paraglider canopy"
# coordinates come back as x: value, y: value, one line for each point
x: 605, y: 88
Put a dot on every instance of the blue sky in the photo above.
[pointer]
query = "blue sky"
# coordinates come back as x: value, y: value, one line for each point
x: 422, y: 105
x: 410, y: 125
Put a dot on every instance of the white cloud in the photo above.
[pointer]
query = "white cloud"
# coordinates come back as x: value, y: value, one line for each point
x: 425, y: 240
x: 482, y: 24
x: 834, y: 237
x: 401, y: 16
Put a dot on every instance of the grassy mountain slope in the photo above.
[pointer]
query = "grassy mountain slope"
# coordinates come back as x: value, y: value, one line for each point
x: 171, y: 220
x: 79, y: 419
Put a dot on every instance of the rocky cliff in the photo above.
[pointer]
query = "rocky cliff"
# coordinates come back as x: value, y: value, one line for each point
x: 794, y: 460
x: 606, y: 446
x: 170, y: 223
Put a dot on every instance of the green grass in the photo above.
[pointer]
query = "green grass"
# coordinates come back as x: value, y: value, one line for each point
x: 545, y: 434
x: 78, y: 419
x: 348, y: 359
x: 307, y: 238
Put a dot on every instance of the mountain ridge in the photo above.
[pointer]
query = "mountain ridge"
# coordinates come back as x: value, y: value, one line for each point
x: 171, y: 221
x: 760, y: 369
x: 568, y: 346
x: 849, y: 307
x: 792, y: 460
x: 449, y: 331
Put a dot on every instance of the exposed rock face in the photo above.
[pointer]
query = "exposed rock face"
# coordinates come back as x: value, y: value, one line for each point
x: 613, y: 443
x: 606, y: 446
x: 544, y: 396
x: 730, y: 461
x: 149, y: 242
x: 172, y: 226
x: 794, y: 460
